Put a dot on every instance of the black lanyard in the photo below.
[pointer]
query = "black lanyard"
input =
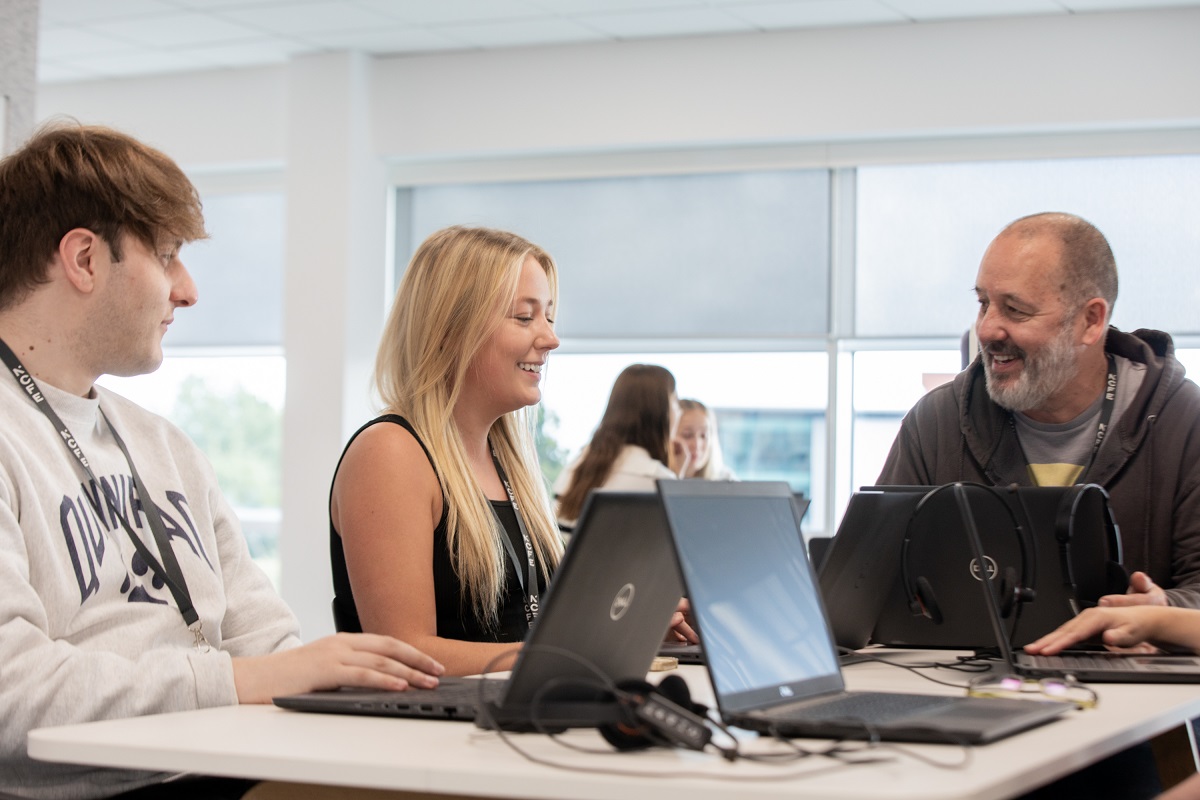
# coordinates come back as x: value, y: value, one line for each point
x: 528, y: 581
x: 1106, y: 412
x: 168, y: 571
x: 1106, y: 409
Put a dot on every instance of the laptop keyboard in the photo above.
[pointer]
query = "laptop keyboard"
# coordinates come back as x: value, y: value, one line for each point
x: 870, y: 706
x: 1082, y: 661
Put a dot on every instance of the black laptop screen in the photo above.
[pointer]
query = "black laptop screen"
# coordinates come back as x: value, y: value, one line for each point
x: 749, y: 581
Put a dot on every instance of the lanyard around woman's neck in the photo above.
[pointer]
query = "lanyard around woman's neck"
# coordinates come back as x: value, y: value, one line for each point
x: 528, y: 581
x: 168, y: 571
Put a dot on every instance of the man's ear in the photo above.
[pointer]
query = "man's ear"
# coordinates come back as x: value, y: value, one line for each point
x: 77, y: 253
x: 1095, y: 320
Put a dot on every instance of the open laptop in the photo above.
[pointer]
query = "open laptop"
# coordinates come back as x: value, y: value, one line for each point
x: 602, y: 620
x: 762, y: 625
x: 1071, y: 558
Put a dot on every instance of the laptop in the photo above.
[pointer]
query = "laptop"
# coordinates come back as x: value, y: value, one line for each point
x: 1071, y: 557
x: 601, y: 622
x: 763, y: 628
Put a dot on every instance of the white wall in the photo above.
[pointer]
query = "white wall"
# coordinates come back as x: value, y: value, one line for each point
x: 1099, y: 83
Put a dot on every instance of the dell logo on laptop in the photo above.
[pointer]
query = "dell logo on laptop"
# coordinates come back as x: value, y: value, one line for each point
x: 621, y: 602
x: 989, y: 564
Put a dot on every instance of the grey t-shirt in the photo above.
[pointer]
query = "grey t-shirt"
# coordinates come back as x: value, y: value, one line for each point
x: 1058, y: 453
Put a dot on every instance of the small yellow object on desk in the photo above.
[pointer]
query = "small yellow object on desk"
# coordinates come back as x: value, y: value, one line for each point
x: 663, y: 663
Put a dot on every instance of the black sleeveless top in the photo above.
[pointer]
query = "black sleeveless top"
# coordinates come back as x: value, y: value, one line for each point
x: 455, y: 617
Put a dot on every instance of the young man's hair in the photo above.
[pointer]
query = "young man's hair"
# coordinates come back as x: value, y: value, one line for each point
x: 70, y: 176
x: 638, y: 413
x: 457, y: 289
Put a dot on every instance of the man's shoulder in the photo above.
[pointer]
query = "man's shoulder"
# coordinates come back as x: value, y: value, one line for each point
x: 134, y: 421
x: 944, y: 402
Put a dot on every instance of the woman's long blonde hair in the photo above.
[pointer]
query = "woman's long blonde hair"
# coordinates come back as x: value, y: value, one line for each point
x: 714, y: 466
x: 451, y: 300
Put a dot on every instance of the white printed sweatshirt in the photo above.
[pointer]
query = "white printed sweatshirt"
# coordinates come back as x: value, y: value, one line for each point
x: 87, y: 632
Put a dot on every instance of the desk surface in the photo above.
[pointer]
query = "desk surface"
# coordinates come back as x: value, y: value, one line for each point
x: 457, y: 758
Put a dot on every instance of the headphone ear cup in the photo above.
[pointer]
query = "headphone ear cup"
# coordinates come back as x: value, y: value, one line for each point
x: 1009, y: 586
x: 926, y: 601
x: 675, y: 689
x: 1116, y: 578
x: 628, y: 733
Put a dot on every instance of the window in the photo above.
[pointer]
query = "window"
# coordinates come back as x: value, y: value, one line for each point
x: 923, y: 229
x: 726, y: 280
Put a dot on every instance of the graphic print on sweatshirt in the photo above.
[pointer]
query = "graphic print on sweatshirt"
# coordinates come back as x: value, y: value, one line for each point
x: 88, y: 519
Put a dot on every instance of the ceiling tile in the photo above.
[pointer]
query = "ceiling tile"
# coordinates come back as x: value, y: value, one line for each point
x: 301, y: 18
x: 577, y: 7
x: 72, y: 43
x: 815, y: 13
x: 522, y: 32
x: 385, y: 41
x: 250, y: 53
x: 681, y: 22
x: 1123, y: 5
x: 74, y: 12
x: 425, y: 12
x: 177, y: 30
x: 921, y: 10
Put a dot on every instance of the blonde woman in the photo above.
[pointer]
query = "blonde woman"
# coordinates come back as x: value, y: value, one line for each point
x: 436, y: 502
x: 697, y: 432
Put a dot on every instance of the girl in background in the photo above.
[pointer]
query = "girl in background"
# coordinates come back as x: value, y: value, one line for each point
x: 632, y: 447
x: 698, y: 433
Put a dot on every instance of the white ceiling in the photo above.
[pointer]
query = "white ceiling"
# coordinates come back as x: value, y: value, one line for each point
x: 90, y: 39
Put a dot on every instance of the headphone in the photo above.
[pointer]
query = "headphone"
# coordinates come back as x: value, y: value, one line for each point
x: 1116, y: 577
x: 651, y: 715
x: 1015, y: 589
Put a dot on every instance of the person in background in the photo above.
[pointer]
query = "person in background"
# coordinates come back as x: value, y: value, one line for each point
x: 633, y: 445
x: 697, y: 432
x: 436, y: 502
x: 127, y: 586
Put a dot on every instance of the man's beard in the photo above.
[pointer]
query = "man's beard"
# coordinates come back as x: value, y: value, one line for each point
x: 1041, y: 375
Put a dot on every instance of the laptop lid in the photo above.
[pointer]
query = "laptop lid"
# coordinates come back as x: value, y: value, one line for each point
x: 1068, y: 552
x: 608, y: 607
x: 861, y: 561
x: 762, y: 626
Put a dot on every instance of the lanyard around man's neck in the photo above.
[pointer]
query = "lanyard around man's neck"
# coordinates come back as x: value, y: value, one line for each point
x: 168, y: 571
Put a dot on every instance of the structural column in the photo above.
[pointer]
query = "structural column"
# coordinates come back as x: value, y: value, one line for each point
x: 335, y: 285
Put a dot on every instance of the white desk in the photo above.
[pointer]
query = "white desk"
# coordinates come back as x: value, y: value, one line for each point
x: 456, y: 758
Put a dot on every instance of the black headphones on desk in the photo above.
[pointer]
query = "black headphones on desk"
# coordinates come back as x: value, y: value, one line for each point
x: 652, y: 715
x: 1014, y: 590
